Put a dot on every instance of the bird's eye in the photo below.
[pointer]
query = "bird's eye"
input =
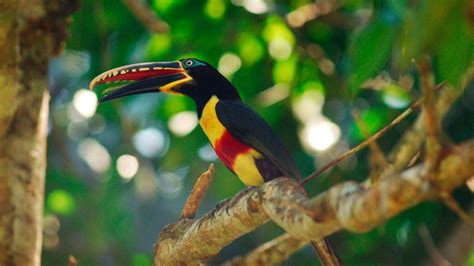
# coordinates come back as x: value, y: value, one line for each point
x: 188, y: 63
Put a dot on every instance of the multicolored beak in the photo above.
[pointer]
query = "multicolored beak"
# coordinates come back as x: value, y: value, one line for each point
x: 139, y: 78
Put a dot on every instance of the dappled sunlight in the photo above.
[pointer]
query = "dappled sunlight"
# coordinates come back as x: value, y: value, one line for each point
x: 182, y: 123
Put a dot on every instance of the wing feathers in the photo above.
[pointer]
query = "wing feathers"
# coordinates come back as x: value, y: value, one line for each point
x: 249, y: 128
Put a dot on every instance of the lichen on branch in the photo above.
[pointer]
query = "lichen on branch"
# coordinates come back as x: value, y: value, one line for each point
x: 349, y: 206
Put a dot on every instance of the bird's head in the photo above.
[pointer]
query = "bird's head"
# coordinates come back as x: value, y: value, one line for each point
x: 190, y: 77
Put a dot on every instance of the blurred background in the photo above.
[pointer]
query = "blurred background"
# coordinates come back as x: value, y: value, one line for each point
x: 118, y: 172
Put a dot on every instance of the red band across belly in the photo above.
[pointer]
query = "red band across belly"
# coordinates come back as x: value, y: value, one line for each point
x: 228, y: 148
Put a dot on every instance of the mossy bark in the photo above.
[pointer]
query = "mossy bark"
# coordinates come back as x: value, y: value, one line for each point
x: 31, y: 32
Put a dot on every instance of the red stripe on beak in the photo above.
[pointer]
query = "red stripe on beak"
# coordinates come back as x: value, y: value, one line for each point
x: 140, y: 74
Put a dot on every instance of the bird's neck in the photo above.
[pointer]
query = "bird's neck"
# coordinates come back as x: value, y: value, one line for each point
x: 229, y: 94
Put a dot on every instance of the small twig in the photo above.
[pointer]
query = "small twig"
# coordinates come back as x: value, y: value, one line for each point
x: 431, y: 118
x: 197, y: 194
x: 412, y: 139
x: 312, y: 11
x: 377, y: 158
x: 452, y: 204
x: 435, y: 255
x: 72, y: 261
x: 146, y: 16
x: 364, y: 144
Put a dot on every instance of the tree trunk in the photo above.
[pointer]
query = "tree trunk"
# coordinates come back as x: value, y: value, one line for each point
x: 31, y: 32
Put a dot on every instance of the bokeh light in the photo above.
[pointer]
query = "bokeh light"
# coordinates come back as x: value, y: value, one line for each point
x: 127, y: 166
x: 169, y: 184
x: 51, y: 225
x: 61, y: 202
x: 85, y: 102
x: 308, y: 105
x: 207, y: 153
x: 273, y: 94
x: 150, y: 142
x: 145, y: 183
x: 320, y: 134
x: 94, y: 154
x: 280, y: 49
x: 252, y: 6
x: 182, y: 123
x: 229, y: 63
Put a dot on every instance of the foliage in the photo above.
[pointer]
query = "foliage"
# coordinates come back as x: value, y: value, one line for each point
x: 303, y: 80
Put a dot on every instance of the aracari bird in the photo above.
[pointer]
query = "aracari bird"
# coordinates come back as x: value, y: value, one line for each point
x: 244, y: 142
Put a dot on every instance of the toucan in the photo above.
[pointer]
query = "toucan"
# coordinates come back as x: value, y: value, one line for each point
x: 242, y: 140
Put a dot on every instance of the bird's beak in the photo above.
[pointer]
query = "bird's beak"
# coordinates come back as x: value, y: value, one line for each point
x: 140, y: 78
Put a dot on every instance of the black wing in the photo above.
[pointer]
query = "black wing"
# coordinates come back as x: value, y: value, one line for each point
x: 249, y: 128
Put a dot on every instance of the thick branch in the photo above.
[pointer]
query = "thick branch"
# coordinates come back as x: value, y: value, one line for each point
x: 349, y: 206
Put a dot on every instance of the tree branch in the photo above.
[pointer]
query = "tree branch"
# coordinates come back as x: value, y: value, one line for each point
x: 410, y: 143
x: 432, y: 122
x: 197, y: 194
x: 273, y: 252
x: 348, y: 205
x: 146, y: 16
x: 363, y: 144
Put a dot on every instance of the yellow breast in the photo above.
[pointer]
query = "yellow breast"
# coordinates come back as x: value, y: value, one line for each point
x: 209, y: 121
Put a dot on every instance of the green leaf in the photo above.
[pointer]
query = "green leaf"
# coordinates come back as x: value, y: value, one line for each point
x: 425, y: 26
x: 251, y: 49
x: 456, y: 51
x: 371, y: 50
x: 284, y: 71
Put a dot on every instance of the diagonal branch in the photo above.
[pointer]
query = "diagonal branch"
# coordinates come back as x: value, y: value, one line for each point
x: 197, y: 194
x: 348, y: 205
x: 432, y: 122
x: 146, y: 16
x: 410, y: 143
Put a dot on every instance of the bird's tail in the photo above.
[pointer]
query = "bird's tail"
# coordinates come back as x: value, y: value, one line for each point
x: 326, y: 255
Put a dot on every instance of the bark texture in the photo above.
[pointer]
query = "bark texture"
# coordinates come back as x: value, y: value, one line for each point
x: 31, y: 32
x: 349, y: 205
